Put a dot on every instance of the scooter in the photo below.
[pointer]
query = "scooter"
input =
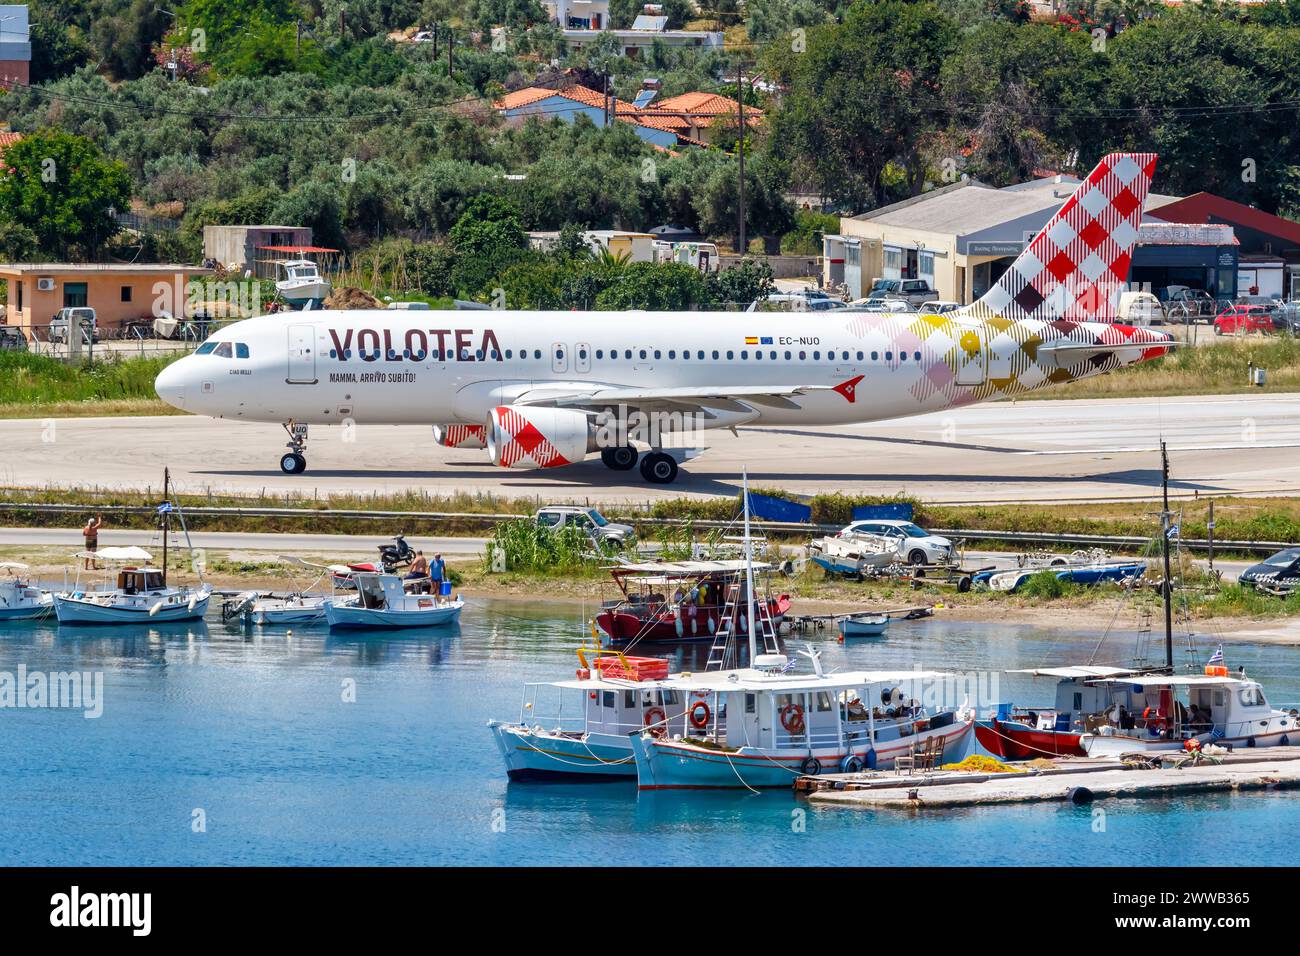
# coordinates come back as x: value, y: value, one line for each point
x: 397, y: 555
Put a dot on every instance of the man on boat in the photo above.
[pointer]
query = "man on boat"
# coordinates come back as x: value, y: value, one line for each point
x: 419, y: 568
x: 437, y: 571
x: 91, y: 533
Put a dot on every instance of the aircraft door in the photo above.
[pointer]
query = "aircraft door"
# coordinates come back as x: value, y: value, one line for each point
x: 582, y: 357
x: 559, y: 357
x: 302, y: 355
x: 972, y: 357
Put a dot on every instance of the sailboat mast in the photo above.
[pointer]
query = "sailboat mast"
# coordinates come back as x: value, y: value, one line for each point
x: 166, y: 520
x: 749, y: 569
x: 1167, y: 589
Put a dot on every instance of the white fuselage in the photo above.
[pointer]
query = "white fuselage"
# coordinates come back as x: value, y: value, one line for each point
x: 405, y: 367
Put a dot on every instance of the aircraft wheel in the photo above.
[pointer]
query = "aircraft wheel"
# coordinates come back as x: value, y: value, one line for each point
x: 293, y: 463
x: 619, y: 459
x: 658, y: 468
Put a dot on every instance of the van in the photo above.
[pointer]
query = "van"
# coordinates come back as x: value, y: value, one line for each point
x: 1140, y: 308
x: 82, y: 315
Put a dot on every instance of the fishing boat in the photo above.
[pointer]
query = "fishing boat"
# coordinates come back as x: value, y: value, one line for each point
x: 763, y: 726
x: 676, y: 600
x: 854, y: 554
x: 139, y: 593
x: 270, y: 609
x: 1025, y: 733
x: 20, y: 600
x: 577, y: 729
x: 299, y: 282
x: 863, y: 625
x: 382, y: 601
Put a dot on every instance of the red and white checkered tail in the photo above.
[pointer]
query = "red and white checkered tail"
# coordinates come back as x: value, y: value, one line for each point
x: 1076, y: 268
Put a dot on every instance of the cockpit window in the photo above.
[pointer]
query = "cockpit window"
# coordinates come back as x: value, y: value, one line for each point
x: 241, y: 350
x: 205, y: 348
x: 224, y: 350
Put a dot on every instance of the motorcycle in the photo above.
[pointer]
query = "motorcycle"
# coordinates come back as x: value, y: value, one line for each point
x: 395, y: 556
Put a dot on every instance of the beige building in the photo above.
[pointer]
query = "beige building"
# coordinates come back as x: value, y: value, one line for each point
x: 119, y: 293
x: 960, y: 238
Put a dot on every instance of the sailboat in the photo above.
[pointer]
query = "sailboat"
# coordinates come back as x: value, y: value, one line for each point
x: 140, y: 593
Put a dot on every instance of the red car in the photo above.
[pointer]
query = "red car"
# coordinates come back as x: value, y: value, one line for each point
x: 1243, y: 318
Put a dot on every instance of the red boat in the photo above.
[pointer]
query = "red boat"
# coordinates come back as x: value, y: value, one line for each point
x: 1024, y: 733
x: 677, y: 601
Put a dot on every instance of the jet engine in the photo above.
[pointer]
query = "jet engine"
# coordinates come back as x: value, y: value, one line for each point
x: 460, y: 436
x: 538, y: 437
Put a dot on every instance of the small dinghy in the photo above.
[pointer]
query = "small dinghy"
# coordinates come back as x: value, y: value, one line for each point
x: 863, y: 625
x: 853, y: 554
x: 20, y: 600
x: 381, y: 601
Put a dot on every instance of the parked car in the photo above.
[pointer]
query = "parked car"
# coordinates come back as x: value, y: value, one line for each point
x: 802, y: 300
x: 919, y: 546
x: 1281, y: 570
x: 589, y: 520
x: 1140, y: 308
x: 12, y: 339
x: 938, y: 307
x: 1271, y: 305
x: 912, y: 291
x: 85, y: 316
x: 1184, y: 304
x: 881, y: 305
x: 826, y: 305
x: 1244, y: 318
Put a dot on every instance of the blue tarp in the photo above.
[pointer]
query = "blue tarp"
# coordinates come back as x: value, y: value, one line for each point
x: 896, y: 512
x: 778, y: 509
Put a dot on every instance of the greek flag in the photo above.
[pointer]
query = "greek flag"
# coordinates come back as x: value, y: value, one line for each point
x: 788, y: 666
x: 1173, y: 531
x: 1217, y: 656
x: 165, y: 508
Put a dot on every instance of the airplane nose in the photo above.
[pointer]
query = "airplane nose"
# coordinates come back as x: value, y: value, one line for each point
x: 170, y: 385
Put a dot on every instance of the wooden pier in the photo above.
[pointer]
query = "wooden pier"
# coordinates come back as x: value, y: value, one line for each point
x: 1077, y: 780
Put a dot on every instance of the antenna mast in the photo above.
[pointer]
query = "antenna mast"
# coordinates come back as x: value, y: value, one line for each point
x: 1167, y: 590
x: 749, y: 569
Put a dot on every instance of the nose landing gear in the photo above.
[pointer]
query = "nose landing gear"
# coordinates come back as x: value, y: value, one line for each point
x: 294, y: 462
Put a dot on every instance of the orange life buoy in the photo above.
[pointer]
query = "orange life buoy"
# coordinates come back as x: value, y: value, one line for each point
x: 654, y: 718
x: 700, y: 720
x: 792, y: 718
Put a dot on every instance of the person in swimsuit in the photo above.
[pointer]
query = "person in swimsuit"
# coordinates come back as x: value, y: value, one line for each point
x: 91, y: 534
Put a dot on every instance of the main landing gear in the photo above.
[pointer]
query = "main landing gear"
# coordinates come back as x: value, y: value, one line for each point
x: 656, y: 467
x: 294, y: 462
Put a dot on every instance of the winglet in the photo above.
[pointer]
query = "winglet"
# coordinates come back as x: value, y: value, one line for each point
x: 1076, y: 268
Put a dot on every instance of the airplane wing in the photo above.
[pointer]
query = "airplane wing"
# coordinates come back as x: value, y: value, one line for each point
x: 722, y: 398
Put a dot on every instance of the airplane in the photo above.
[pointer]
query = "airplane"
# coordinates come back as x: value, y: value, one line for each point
x: 546, y: 389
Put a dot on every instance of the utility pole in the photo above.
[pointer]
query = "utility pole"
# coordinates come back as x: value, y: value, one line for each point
x: 343, y: 23
x: 435, y: 42
x: 740, y: 155
x: 1165, y: 527
x: 297, y: 42
x: 449, y: 46
x: 605, y: 99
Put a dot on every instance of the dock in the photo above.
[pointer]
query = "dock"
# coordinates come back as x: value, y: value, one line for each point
x: 1077, y: 780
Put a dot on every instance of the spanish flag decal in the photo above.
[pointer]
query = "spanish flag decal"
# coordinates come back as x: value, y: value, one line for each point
x: 751, y: 339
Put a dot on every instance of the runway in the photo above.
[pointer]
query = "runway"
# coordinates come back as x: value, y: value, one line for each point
x: 1041, y: 451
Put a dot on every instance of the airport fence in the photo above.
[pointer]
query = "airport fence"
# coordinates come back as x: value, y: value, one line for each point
x: 460, y: 520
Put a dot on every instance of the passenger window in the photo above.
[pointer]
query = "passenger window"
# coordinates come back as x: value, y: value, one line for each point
x: 803, y: 356
x: 744, y: 354
x: 715, y: 351
x: 657, y: 353
x: 859, y: 354
x: 537, y: 353
x: 875, y: 356
x: 730, y: 353
x: 889, y: 356
x: 902, y: 356
x: 600, y: 353
x: 643, y: 350
x: 817, y: 356
x: 916, y: 356
x: 700, y: 355
x: 672, y: 353
x: 787, y: 354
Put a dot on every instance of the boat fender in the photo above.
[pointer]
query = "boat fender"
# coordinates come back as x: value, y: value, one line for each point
x: 1079, y: 795
x: 678, y: 625
x: 870, y: 760
x: 1285, y: 741
x: 194, y: 599
x: 156, y: 608
x: 713, y: 625
x: 700, y: 714
x: 851, y: 764
x: 811, y: 766
x: 1250, y: 741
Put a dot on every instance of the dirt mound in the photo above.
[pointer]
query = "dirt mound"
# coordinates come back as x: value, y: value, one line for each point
x: 350, y: 297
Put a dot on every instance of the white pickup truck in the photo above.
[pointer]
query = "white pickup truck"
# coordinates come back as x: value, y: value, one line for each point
x: 83, y: 315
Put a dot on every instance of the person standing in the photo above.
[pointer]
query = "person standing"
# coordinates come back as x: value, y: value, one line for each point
x: 91, y: 533
x: 437, y: 571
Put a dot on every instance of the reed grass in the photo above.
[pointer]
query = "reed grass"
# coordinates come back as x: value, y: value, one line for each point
x: 39, y: 385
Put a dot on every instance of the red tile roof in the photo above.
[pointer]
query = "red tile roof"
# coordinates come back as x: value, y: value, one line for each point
x: 7, y: 139
x: 703, y: 104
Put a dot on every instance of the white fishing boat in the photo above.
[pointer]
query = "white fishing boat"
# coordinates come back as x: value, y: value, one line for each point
x: 381, y: 601
x: 863, y: 625
x: 299, y: 282
x: 268, y: 609
x: 853, y: 554
x: 20, y: 600
x: 138, y: 593
x: 577, y: 729
x: 1162, y: 712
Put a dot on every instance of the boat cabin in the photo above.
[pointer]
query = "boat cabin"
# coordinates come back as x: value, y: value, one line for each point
x: 139, y: 580
x: 1187, y: 705
x: 299, y: 269
x: 613, y: 694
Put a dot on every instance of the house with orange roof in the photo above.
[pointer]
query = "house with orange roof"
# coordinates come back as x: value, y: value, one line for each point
x: 15, y: 46
x: 699, y: 116
x: 574, y: 101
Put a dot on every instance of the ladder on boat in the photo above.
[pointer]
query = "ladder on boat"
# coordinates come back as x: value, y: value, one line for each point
x: 733, y: 626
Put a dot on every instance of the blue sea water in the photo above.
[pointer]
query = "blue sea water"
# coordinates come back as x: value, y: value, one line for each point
x: 250, y: 732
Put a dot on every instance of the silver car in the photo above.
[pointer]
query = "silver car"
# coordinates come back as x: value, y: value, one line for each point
x: 595, y: 524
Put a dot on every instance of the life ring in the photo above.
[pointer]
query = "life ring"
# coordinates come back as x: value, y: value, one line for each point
x: 700, y: 721
x: 792, y: 718
x: 811, y: 766
x: 655, y: 716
